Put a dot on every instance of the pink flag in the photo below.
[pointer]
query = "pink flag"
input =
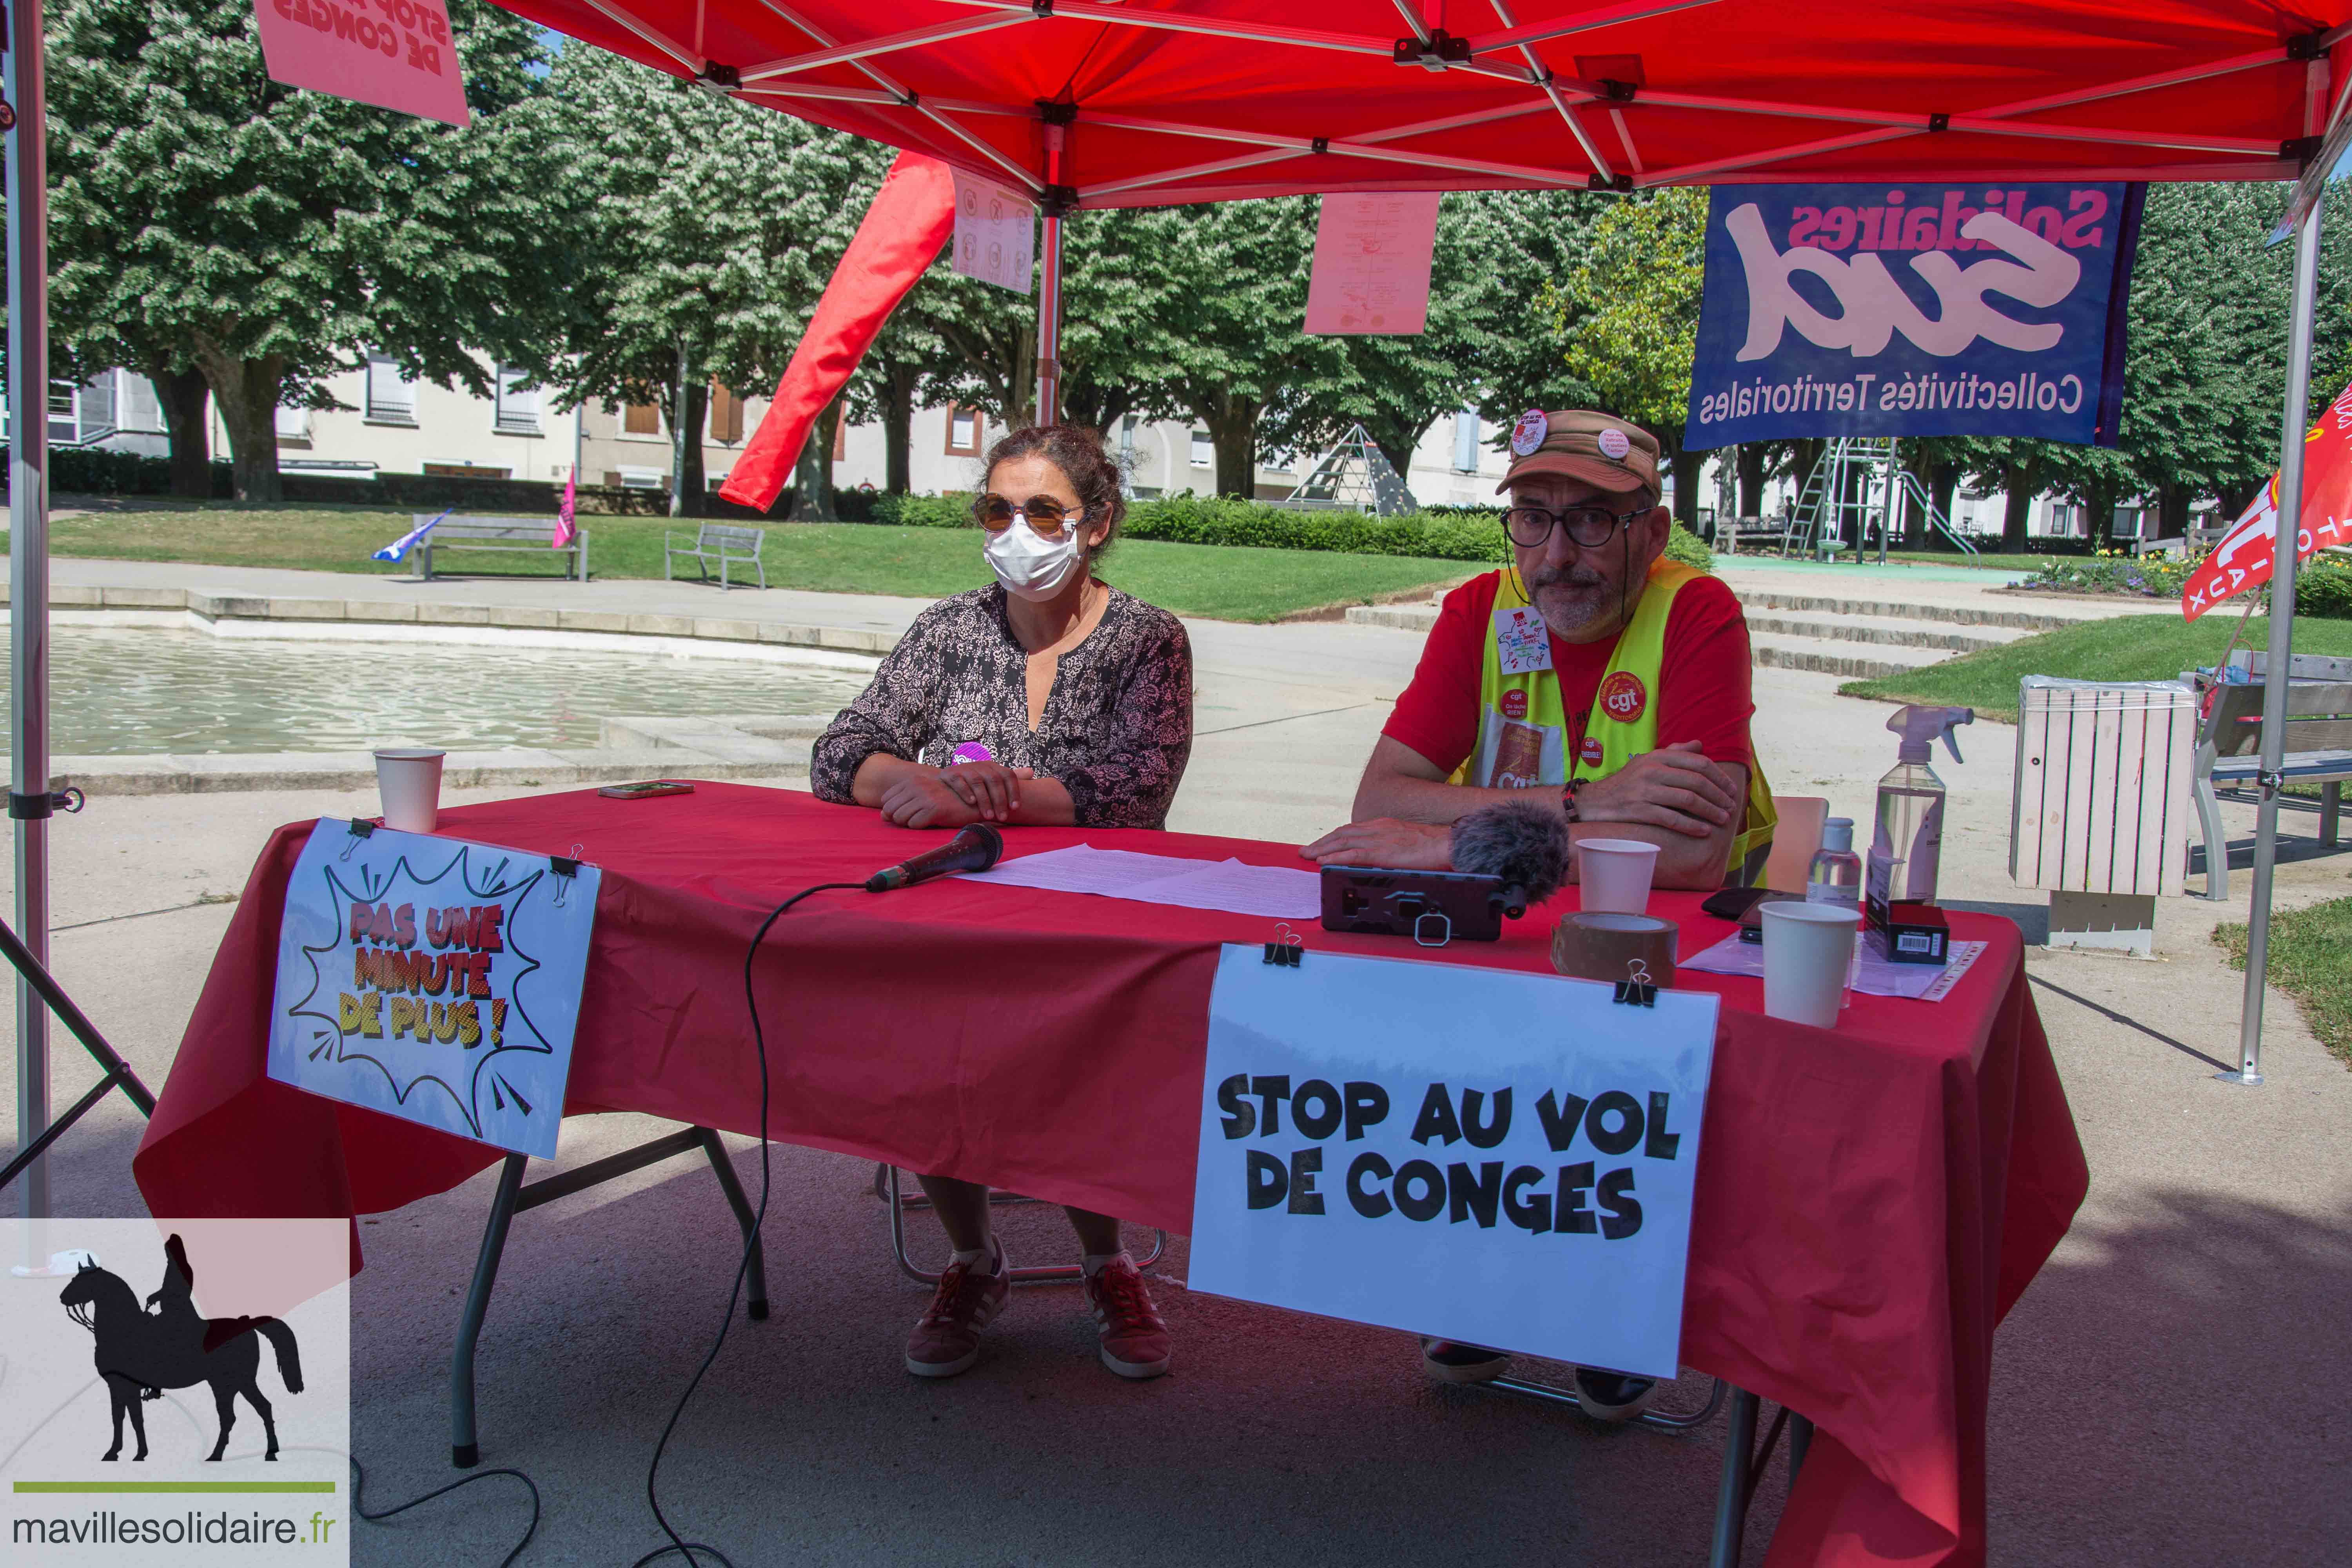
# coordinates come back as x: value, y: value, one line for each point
x: 563, y: 513
x: 911, y: 217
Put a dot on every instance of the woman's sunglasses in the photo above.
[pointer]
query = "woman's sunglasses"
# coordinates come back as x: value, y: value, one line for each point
x: 1047, y: 517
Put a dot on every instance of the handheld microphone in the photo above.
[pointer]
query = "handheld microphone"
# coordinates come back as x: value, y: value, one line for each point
x: 976, y: 848
x: 1522, y: 843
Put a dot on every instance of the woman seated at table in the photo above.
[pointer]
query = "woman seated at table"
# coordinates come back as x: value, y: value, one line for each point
x: 1048, y: 697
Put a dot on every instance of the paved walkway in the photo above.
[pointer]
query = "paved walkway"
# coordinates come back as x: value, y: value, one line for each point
x: 2141, y: 1390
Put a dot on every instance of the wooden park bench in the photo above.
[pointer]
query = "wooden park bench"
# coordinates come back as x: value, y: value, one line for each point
x: 1732, y: 532
x: 723, y: 542
x: 2318, y: 744
x: 531, y: 533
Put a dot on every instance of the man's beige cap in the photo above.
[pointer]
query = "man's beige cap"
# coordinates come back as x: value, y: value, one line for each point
x: 1599, y: 449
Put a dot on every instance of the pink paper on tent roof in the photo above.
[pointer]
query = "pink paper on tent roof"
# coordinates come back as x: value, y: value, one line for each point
x: 1372, y: 252
x: 394, y: 54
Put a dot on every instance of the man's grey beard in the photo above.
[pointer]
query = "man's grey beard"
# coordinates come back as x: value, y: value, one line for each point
x: 1570, y: 599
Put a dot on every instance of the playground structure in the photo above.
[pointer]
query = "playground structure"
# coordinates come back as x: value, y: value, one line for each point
x: 1353, y: 476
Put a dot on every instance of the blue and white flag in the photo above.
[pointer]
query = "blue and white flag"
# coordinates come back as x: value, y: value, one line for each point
x: 1926, y: 309
x: 400, y: 547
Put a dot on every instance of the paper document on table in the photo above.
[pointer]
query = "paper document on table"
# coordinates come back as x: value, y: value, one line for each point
x: 1272, y: 891
x: 1873, y: 974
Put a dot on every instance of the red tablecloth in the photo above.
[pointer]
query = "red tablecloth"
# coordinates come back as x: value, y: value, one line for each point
x: 1870, y: 1200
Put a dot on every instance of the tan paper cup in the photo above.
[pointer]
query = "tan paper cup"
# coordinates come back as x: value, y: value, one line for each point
x: 409, y: 779
x: 1608, y: 947
x: 1808, y: 952
x: 1615, y: 874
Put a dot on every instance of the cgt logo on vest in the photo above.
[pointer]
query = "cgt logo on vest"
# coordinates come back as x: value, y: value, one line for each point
x: 1515, y: 703
x: 1623, y: 697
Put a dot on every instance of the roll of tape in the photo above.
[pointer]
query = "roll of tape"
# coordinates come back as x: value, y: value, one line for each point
x: 1588, y: 945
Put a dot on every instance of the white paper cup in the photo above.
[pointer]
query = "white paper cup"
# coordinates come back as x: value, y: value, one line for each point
x: 1808, y: 956
x: 409, y: 779
x: 1615, y: 874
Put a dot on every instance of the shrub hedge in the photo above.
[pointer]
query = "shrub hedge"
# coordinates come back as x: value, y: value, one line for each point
x: 2321, y: 588
x: 1454, y: 534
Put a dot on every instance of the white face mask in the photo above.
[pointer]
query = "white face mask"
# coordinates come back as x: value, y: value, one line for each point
x: 1030, y: 567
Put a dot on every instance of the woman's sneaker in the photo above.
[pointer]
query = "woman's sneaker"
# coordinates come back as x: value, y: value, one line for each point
x: 1449, y: 1362
x: 1135, y: 1341
x: 946, y: 1340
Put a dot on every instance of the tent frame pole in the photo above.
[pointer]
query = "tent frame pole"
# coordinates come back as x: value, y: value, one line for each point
x: 1049, y: 322
x: 2283, y: 550
x: 28, y: 565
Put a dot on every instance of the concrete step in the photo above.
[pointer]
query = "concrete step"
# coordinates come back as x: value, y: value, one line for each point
x: 1861, y: 660
x: 1401, y: 617
x: 1755, y: 599
x: 1888, y: 631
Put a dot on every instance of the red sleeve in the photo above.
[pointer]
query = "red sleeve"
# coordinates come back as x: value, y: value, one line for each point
x: 1706, y: 688
x: 1437, y: 715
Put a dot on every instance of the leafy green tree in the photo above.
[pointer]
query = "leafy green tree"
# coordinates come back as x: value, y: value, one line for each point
x: 1633, y: 341
x: 207, y: 221
x: 1528, y: 245
x: 706, y: 230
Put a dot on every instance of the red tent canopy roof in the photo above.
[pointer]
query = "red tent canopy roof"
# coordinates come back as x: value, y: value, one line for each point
x: 1183, y: 101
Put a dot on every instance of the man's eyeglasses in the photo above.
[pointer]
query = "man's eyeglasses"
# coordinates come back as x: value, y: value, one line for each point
x: 1588, y: 526
x: 1047, y: 517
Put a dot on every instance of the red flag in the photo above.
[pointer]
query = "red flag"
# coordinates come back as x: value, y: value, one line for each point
x: 911, y: 217
x: 563, y: 514
x: 2248, y: 553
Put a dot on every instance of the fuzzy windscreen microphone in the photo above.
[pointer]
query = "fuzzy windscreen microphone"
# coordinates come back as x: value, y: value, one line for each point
x: 1524, y: 843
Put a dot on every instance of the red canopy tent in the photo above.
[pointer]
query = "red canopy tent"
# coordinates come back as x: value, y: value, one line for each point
x: 1096, y: 104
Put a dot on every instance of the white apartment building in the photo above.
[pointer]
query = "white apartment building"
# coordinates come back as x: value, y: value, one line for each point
x: 394, y: 424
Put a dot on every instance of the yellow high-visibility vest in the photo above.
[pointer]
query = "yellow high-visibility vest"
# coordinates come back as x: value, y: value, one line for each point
x: 1523, y: 723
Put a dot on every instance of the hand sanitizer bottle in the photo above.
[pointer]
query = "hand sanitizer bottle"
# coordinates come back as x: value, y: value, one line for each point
x: 1909, y: 839
x: 1835, y: 875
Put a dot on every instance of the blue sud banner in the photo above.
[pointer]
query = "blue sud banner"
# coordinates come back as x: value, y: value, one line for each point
x: 1931, y: 309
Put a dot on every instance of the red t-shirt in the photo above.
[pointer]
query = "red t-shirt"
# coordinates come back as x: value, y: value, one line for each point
x: 1704, y: 683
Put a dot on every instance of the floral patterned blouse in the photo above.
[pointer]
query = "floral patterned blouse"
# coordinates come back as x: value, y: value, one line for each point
x: 1117, y: 727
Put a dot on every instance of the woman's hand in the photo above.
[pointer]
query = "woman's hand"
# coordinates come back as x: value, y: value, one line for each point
x: 922, y: 799
x: 990, y: 788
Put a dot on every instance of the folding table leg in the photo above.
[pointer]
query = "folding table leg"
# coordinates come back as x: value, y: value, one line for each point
x: 725, y: 1170
x: 465, y: 1450
x: 1731, y: 1496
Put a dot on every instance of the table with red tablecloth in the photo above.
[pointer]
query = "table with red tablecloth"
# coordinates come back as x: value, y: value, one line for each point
x: 1871, y: 1199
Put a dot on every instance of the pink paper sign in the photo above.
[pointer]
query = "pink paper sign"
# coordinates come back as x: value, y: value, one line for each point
x: 394, y: 54
x: 1372, y: 252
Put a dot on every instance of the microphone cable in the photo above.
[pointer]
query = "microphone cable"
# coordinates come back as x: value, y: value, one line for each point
x: 743, y: 1266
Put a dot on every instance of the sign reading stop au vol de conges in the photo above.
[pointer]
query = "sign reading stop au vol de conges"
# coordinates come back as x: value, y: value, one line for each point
x: 1921, y: 309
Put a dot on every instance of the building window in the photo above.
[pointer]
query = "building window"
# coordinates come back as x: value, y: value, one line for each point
x: 638, y: 479
x: 640, y: 419
x: 1465, y: 441
x: 517, y: 407
x: 391, y: 394
x: 293, y: 423
x: 726, y: 416
x: 1204, y: 451
x: 963, y: 432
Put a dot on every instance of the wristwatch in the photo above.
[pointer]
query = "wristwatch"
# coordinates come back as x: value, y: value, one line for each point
x: 1568, y: 797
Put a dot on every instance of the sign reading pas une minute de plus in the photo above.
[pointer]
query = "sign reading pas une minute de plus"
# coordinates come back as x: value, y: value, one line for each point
x: 1925, y: 310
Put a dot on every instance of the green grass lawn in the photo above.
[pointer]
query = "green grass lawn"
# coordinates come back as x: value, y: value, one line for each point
x: 1216, y: 582
x: 2311, y: 960
x: 2123, y: 648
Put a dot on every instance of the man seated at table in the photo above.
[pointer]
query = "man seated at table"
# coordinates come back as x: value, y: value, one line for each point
x: 1591, y: 667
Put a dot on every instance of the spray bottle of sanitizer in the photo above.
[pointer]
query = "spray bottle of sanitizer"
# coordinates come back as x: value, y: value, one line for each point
x: 1909, y: 838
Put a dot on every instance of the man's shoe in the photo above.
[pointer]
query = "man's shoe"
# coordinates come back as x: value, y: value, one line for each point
x: 1450, y: 1362
x: 1135, y: 1341
x: 1611, y: 1395
x: 946, y: 1340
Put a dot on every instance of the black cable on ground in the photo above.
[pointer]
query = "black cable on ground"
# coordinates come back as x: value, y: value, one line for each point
x: 359, y: 1486
x: 743, y: 1266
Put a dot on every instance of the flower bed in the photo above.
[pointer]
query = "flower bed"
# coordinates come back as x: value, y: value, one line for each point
x: 2321, y: 588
